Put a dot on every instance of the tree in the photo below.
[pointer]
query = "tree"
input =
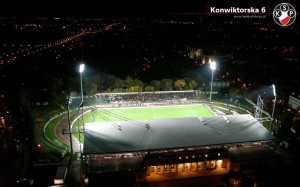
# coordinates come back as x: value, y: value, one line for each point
x: 233, y: 92
x: 92, y: 85
x: 55, y: 92
x: 193, y: 84
x: 135, y: 88
x: 201, y: 82
x: 128, y: 83
x: 133, y: 85
x: 118, y: 84
x: 116, y: 90
x: 93, y: 89
x: 109, y: 82
x: 139, y: 83
x: 149, y: 89
x: 180, y: 84
x: 71, y: 84
x: 166, y: 84
x: 156, y: 84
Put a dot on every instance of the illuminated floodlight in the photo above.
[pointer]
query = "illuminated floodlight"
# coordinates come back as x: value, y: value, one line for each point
x: 213, y: 66
x: 81, y: 68
x: 274, y: 91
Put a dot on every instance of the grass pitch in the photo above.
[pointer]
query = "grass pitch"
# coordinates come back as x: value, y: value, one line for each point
x: 147, y: 113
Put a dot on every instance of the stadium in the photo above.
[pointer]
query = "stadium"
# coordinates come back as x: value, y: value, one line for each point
x: 136, y: 138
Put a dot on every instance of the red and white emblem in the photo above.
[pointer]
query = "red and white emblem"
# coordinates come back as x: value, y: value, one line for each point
x: 284, y: 14
x: 284, y: 18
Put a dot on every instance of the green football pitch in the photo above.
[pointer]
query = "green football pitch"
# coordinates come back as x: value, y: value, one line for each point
x: 147, y: 113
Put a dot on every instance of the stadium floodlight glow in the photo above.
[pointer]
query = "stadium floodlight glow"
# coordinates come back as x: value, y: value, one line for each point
x: 212, y: 67
x: 81, y: 69
x: 274, y: 91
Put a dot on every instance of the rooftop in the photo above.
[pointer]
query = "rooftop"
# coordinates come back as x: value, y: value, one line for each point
x: 134, y: 136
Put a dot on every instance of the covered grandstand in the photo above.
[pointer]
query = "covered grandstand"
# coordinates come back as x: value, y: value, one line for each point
x: 150, y: 97
x: 142, y: 151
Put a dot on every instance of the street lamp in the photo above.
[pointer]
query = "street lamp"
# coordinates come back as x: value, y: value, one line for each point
x: 274, y: 93
x: 212, y: 67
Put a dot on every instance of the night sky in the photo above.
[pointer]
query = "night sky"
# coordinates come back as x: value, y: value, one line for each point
x: 215, y: 32
x: 118, y: 8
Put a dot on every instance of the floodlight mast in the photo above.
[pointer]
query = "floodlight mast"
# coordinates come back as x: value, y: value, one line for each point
x: 70, y: 127
x: 81, y: 70
x: 274, y: 92
x: 212, y: 67
x: 274, y: 104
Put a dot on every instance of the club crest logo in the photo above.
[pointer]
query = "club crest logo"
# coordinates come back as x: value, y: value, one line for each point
x: 284, y: 14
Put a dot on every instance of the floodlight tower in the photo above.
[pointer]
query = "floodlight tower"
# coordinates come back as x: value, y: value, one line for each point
x: 81, y: 69
x: 259, y: 107
x: 274, y: 93
x: 212, y: 67
x: 70, y: 127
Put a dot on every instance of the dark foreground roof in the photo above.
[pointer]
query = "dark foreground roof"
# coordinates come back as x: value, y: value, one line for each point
x: 251, y: 153
x: 132, y: 136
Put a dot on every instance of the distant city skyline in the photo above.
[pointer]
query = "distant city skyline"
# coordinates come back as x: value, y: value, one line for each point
x: 263, y: 44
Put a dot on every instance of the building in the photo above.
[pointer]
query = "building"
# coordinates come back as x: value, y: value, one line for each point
x: 141, y: 151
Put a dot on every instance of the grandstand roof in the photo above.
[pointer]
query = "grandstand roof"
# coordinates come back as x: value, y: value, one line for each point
x: 132, y: 136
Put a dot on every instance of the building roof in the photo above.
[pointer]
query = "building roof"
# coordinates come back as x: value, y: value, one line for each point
x: 251, y: 153
x: 133, y: 136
